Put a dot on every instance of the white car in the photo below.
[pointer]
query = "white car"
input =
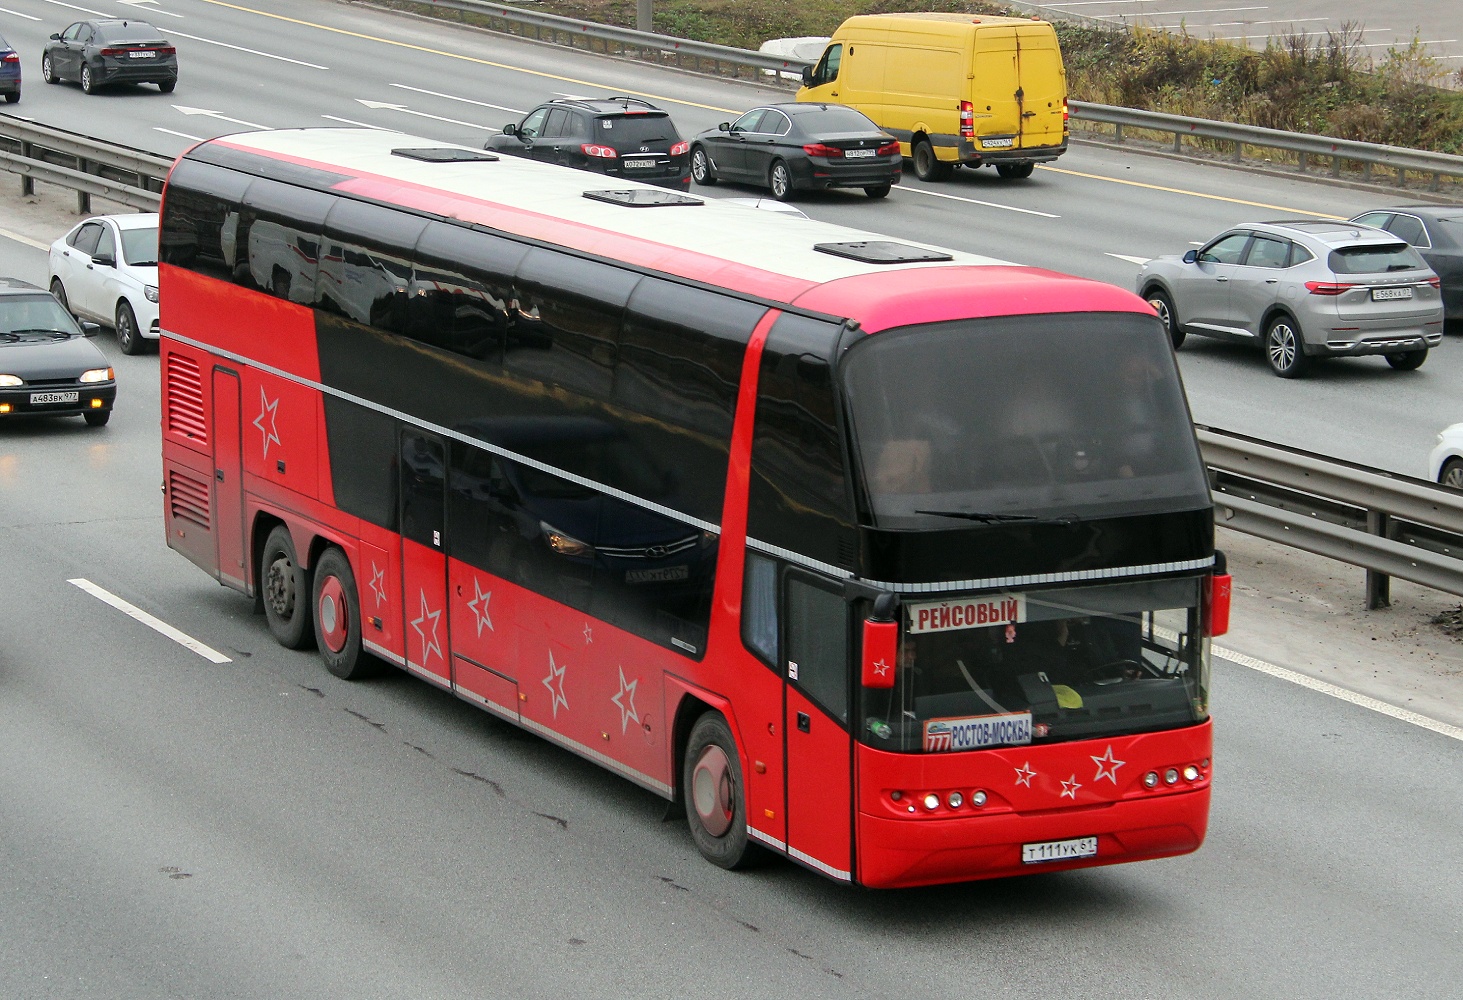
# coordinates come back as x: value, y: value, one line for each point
x: 1446, y: 460
x: 105, y: 269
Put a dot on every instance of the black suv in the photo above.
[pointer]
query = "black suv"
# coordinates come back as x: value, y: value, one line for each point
x: 618, y: 136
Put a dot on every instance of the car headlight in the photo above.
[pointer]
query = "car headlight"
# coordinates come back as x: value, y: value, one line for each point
x: 151, y: 292
x: 11, y: 380
x: 565, y: 545
x: 96, y: 375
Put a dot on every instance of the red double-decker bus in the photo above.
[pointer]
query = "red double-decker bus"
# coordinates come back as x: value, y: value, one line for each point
x: 894, y: 560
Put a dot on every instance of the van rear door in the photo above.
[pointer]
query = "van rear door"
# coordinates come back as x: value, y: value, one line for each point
x: 1019, y: 87
x: 1043, y: 85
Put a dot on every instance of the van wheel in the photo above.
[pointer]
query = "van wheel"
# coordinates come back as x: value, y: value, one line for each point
x: 927, y: 166
x: 1407, y: 361
x: 286, y: 591
x: 1015, y: 171
x: 780, y: 181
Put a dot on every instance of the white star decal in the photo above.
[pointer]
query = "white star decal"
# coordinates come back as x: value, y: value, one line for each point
x: 479, y: 607
x: 1107, y: 767
x: 588, y: 634
x: 267, y: 410
x: 429, y: 646
x: 555, y: 683
x: 1069, y: 788
x: 1024, y: 774
x: 881, y: 668
x: 625, y: 701
x: 378, y: 583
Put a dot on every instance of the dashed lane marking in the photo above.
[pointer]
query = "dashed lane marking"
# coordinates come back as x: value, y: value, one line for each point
x: 7, y: 234
x: 157, y: 625
x: 975, y: 201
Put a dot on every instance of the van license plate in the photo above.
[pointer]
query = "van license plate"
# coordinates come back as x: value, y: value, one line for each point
x: 639, y: 164
x: 37, y: 398
x: 1005, y: 143
x: 1059, y: 850
x: 857, y: 153
x: 1380, y: 294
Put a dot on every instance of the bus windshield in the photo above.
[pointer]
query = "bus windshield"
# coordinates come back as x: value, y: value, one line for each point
x: 1068, y: 415
x: 1011, y: 669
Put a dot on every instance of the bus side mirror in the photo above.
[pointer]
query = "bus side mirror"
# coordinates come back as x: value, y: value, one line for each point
x: 1218, y: 589
x: 881, y: 643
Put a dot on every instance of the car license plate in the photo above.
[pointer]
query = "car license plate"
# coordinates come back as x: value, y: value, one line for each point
x: 1058, y: 850
x: 1005, y: 143
x: 142, y: 54
x: 37, y: 398
x: 858, y: 153
x: 660, y: 575
x: 639, y: 164
x: 1382, y: 294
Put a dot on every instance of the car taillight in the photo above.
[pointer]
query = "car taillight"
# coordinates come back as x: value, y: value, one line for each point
x: 819, y: 149
x: 967, y: 120
x: 167, y: 50
x: 1328, y: 287
x: 889, y: 149
x: 1435, y: 281
x: 680, y: 148
x: 10, y: 57
x: 603, y: 152
x: 114, y: 52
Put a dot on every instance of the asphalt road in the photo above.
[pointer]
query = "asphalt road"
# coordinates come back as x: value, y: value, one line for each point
x: 294, y: 64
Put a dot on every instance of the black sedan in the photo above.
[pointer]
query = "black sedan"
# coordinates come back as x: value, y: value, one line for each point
x: 1436, y: 232
x: 794, y: 147
x: 111, y: 50
x: 48, y: 366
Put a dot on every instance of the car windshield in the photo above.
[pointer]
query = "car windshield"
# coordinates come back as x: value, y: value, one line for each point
x: 1375, y: 259
x: 1066, y: 415
x: 128, y: 31
x: 139, y: 247
x: 34, y: 314
x: 629, y: 129
x: 836, y: 120
x: 1043, y: 666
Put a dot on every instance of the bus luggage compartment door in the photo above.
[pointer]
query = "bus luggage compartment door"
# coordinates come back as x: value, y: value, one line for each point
x: 423, y: 472
x: 228, y: 476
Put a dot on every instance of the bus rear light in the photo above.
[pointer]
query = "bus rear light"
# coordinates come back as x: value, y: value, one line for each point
x: 979, y: 799
x: 1191, y: 773
x: 679, y: 148
x: 932, y: 801
x: 955, y: 800
x: 1328, y: 287
x: 823, y: 149
x: 599, y: 152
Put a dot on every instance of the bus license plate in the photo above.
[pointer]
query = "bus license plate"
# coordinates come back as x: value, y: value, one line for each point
x: 145, y: 54
x: 639, y: 164
x: 37, y: 398
x: 997, y: 143
x: 1381, y: 294
x: 856, y: 153
x: 1059, y: 850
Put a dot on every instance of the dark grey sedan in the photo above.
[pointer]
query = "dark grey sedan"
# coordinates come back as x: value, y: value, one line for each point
x: 1436, y: 232
x: 110, y: 50
x: 799, y: 147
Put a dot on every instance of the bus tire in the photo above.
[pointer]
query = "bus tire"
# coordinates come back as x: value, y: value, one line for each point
x: 286, y: 591
x: 716, y: 803
x: 338, y: 616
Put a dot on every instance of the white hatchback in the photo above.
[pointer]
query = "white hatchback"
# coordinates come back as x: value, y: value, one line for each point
x: 105, y: 269
x: 1445, y: 463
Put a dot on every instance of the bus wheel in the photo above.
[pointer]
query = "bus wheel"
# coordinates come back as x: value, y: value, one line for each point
x: 286, y: 591
x: 716, y: 807
x: 338, y: 616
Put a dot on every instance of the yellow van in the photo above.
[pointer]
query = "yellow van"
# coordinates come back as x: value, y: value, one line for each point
x: 955, y: 89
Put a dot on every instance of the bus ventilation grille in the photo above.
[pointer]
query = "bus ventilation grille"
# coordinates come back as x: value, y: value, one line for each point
x: 188, y: 499
x: 185, y: 399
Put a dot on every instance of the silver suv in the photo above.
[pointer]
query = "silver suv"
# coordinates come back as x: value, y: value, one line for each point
x: 1302, y: 290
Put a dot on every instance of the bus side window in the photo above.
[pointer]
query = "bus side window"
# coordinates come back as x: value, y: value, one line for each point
x: 759, y: 607
x: 816, y: 639
x: 283, y: 257
x: 462, y: 291
x: 200, y: 227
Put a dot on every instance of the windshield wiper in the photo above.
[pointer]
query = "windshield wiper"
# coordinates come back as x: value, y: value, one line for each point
x: 143, y: 263
x: 42, y: 329
x: 969, y: 515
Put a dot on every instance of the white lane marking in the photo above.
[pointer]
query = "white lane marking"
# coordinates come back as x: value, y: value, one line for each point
x: 184, y: 109
x: 7, y: 234
x: 1242, y: 24
x: 976, y: 201
x: 180, y: 135
x: 464, y: 100
x: 72, y: 6
x: 16, y: 13
x: 152, y: 7
x: 352, y: 121
x: 382, y: 106
x: 252, y: 52
x: 1170, y: 13
x: 1341, y: 693
x: 181, y: 638
x: 1140, y: 261
x: 573, y: 97
x: 1402, y: 44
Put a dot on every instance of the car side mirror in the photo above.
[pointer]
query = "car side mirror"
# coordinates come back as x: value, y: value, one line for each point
x: 807, y: 76
x: 1191, y: 256
x: 104, y: 260
x: 90, y: 329
x: 881, y: 643
x: 55, y: 36
x: 510, y: 129
x: 724, y: 127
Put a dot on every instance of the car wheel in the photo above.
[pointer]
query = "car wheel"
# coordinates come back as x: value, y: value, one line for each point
x: 1452, y: 474
x: 128, y: 337
x: 1284, y: 348
x: 88, y: 85
x: 701, y: 167
x: 97, y: 418
x: 167, y: 86
x: 1407, y: 361
x: 286, y: 591
x: 877, y: 191
x: 48, y: 72
x: 59, y: 290
x: 716, y: 807
x: 780, y: 181
x: 338, y: 617
x: 1163, y: 306
x: 1015, y: 171
x: 927, y: 166
x: 13, y: 97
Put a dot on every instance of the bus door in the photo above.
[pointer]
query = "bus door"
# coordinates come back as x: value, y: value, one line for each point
x: 422, y: 461
x: 228, y: 479
x: 816, y: 665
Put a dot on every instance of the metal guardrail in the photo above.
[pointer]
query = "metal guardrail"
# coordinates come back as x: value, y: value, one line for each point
x: 88, y: 166
x: 1388, y: 525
